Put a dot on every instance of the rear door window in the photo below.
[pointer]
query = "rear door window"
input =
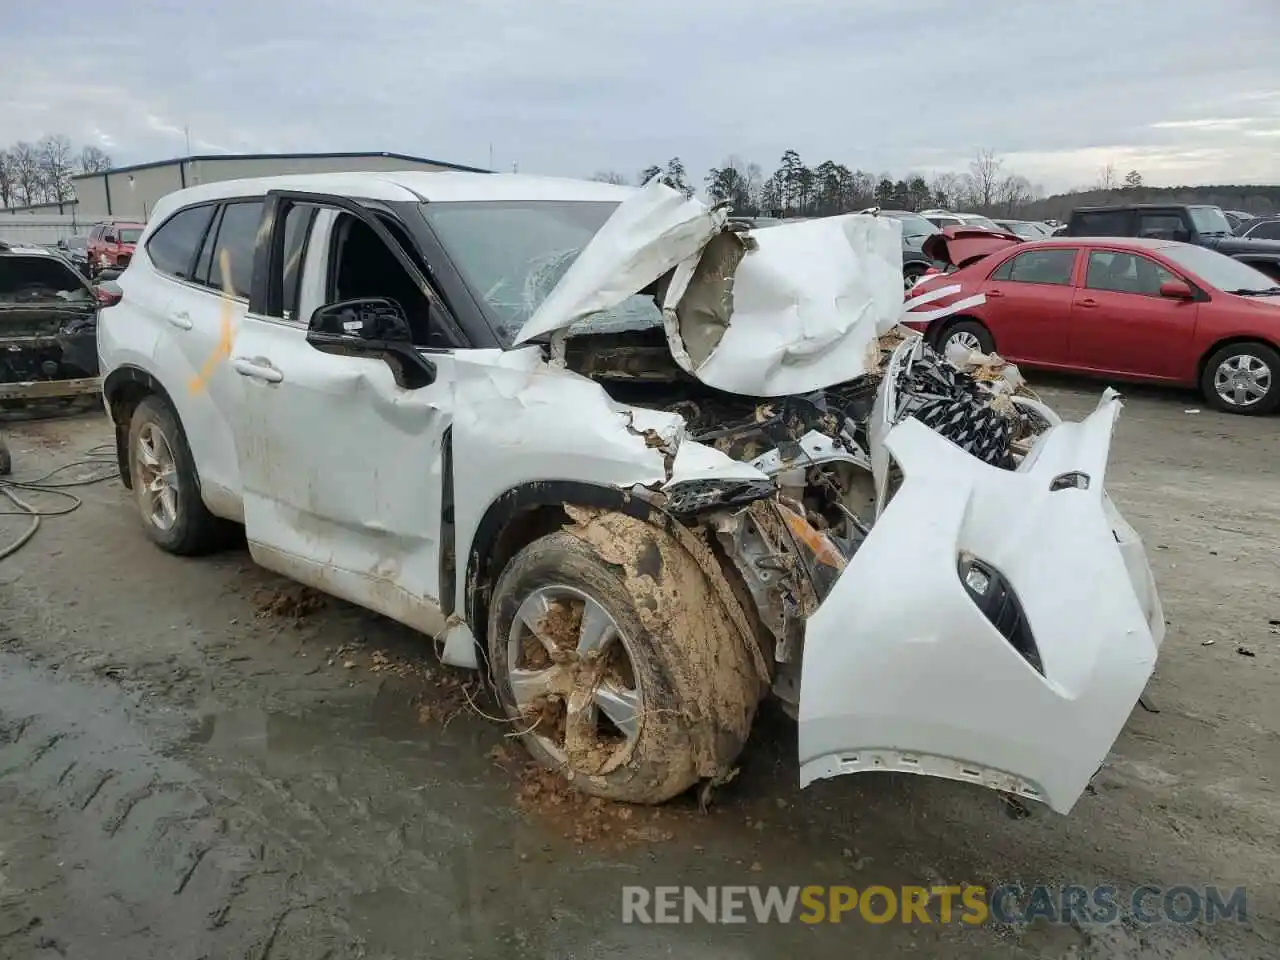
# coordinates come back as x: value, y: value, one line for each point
x: 231, y: 269
x: 1265, y: 231
x: 173, y: 247
x: 1038, y: 266
x: 1125, y: 273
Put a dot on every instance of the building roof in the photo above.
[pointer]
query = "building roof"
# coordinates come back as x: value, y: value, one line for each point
x: 278, y: 156
x: 404, y: 185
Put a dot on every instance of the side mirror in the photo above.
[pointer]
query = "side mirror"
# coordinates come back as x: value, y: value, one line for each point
x: 369, y: 318
x: 372, y: 327
x: 1177, y: 290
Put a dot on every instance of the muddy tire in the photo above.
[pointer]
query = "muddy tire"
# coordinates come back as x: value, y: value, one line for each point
x: 611, y: 651
x: 971, y: 333
x: 1243, y: 378
x: 165, y: 484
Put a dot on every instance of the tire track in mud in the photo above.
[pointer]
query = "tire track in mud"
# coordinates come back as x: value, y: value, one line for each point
x: 95, y: 815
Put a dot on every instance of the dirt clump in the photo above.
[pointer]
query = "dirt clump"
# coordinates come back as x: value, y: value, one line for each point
x: 294, y: 603
x: 546, y: 794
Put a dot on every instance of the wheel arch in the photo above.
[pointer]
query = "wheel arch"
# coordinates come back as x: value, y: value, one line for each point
x: 1203, y: 363
x: 122, y: 390
x: 520, y: 516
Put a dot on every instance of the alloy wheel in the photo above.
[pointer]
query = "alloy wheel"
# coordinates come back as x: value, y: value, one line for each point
x: 1242, y: 380
x: 570, y: 671
x: 158, y: 476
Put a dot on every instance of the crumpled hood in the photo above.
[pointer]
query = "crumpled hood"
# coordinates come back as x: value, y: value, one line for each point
x: 789, y: 309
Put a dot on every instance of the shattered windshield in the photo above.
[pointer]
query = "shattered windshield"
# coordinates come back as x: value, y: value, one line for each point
x: 512, y: 254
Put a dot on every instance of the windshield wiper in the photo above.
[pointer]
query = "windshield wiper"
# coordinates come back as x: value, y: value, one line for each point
x: 1265, y: 292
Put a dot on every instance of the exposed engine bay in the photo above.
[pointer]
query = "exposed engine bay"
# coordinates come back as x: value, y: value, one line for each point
x: 789, y: 536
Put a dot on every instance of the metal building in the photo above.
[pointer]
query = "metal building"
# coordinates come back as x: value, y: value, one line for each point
x: 132, y: 192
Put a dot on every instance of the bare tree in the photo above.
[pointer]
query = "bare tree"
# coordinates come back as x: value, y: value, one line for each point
x: 55, y: 167
x: 609, y: 176
x: 94, y: 160
x: 1015, y: 191
x: 985, y: 171
x: 1107, y: 177
x: 8, y: 182
x: 26, y: 171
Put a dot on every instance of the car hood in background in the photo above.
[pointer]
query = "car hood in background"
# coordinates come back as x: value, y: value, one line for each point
x: 1238, y: 245
x: 772, y: 312
x: 961, y: 246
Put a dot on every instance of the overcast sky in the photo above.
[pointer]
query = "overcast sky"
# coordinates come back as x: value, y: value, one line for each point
x: 1186, y: 91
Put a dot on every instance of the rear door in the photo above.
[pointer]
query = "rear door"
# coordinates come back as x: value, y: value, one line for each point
x: 342, y: 466
x: 1122, y: 325
x: 203, y: 255
x: 1028, y: 305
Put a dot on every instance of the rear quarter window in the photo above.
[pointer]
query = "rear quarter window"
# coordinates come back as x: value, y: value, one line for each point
x: 172, y: 248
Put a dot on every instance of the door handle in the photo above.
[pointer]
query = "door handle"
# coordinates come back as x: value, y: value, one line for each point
x: 1088, y: 302
x: 995, y: 293
x: 180, y: 319
x: 258, y: 369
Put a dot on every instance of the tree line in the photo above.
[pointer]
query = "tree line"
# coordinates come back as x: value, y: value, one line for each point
x: 41, y: 172
x: 796, y: 189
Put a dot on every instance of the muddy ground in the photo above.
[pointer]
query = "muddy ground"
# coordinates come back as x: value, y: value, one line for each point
x: 196, y: 761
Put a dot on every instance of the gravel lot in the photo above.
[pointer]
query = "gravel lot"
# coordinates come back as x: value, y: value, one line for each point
x: 198, y: 759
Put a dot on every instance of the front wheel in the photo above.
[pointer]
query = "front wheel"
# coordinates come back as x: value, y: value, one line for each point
x: 1243, y: 378
x: 616, y: 663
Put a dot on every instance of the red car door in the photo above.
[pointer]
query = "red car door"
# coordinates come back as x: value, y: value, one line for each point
x: 1028, y: 306
x: 1122, y: 325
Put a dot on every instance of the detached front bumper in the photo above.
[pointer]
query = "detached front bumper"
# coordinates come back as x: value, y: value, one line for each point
x: 904, y: 671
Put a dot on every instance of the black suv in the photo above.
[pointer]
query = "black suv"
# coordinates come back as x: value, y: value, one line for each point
x: 1203, y: 225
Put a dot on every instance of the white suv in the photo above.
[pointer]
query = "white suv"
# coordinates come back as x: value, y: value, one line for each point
x: 643, y: 464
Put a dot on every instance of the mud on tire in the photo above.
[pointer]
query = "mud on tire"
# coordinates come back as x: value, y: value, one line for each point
x: 158, y: 452
x: 695, y: 687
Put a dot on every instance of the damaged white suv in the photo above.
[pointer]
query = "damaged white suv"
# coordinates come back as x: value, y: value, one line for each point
x: 643, y: 465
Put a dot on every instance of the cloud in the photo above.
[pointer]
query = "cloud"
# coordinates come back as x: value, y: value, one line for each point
x: 1180, y: 89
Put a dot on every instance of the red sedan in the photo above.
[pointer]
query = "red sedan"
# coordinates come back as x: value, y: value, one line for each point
x: 1150, y: 310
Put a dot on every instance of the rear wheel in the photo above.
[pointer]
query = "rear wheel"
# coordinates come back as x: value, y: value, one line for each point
x: 1243, y: 378
x: 614, y: 659
x: 969, y: 334
x: 165, y: 484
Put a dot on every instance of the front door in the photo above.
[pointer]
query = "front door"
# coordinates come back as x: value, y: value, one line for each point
x: 1121, y: 324
x: 341, y: 465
